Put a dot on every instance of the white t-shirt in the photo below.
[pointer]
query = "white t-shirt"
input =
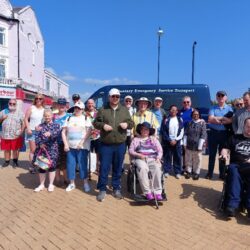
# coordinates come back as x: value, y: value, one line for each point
x: 36, y: 116
x: 77, y: 127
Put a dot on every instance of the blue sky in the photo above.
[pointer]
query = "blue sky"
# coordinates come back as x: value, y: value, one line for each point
x: 92, y: 43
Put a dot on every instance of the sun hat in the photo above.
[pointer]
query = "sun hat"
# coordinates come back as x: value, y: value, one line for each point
x: 79, y: 104
x: 145, y: 99
x: 158, y: 98
x: 145, y: 125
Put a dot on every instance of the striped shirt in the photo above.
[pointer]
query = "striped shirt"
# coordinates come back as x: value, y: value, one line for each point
x: 238, y: 120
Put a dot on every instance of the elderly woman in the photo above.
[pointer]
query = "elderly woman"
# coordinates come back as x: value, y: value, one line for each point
x: 147, y: 153
x: 46, y: 141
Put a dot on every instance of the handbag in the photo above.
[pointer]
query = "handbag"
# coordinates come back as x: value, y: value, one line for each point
x: 43, y: 161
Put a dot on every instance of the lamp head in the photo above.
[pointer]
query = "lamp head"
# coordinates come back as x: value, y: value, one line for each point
x: 160, y: 32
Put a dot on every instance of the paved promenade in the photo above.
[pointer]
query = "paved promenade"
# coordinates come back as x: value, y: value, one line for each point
x: 75, y: 220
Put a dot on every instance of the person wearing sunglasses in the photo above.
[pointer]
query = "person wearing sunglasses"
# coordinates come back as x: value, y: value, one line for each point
x: 12, y: 128
x: 112, y: 120
x: 186, y: 112
x: 33, y: 117
x: 241, y: 114
x: 238, y: 103
x: 217, y: 135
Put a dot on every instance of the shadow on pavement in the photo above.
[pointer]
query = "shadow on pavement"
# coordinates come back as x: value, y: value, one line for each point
x: 28, y: 180
x: 208, y: 199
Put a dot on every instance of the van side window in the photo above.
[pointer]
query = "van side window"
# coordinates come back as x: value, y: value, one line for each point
x: 99, y: 103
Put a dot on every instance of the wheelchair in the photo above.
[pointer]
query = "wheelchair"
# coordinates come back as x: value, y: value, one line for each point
x: 133, y: 187
x: 224, y: 195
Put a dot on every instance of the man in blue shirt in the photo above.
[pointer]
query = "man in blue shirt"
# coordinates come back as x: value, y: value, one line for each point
x: 218, y: 134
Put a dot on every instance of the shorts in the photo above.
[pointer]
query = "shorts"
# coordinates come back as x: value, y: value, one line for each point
x: 11, y: 144
x: 95, y: 146
x: 42, y: 171
x: 31, y: 137
x: 62, y: 157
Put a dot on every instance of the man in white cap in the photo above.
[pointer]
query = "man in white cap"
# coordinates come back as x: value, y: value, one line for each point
x: 112, y: 120
x: 159, y: 112
x: 143, y: 114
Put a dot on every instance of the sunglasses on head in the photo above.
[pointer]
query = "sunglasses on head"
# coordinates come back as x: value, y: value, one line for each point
x: 12, y: 104
x: 115, y: 96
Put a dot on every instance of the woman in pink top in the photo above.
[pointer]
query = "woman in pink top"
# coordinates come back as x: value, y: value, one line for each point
x: 146, y: 152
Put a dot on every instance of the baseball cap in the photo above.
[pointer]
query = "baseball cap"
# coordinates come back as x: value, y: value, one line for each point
x: 221, y: 92
x: 158, y: 98
x: 61, y: 101
x: 76, y: 97
x: 79, y: 104
x: 114, y: 92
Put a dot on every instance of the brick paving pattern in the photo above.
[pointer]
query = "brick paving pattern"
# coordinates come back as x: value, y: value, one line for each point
x: 188, y: 220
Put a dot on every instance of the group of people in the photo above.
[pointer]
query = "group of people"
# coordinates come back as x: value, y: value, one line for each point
x: 156, y: 140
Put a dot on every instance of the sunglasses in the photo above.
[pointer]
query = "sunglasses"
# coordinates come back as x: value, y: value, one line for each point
x: 239, y: 104
x: 128, y: 101
x: 40, y: 99
x: 12, y: 104
x: 115, y: 96
x: 220, y: 95
x: 186, y: 102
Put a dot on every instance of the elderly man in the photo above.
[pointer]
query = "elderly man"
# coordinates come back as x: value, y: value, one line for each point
x: 112, y: 120
x: 186, y: 111
x: 13, y: 127
x: 242, y: 114
x: 218, y: 133
x: 159, y: 112
x: 143, y: 114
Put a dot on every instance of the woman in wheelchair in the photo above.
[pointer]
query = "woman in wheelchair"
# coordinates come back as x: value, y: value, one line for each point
x: 238, y: 170
x: 146, y: 153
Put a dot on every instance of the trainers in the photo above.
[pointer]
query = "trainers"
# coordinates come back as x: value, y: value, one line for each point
x: 39, y: 188
x: 101, y: 196
x: 149, y: 196
x: 6, y: 164
x: 70, y: 187
x: 117, y: 194
x: 196, y: 177
x: 187, y: 175
x: 158, y: 197
x: 166, y: 175
x: 86, y: 187
x: 178, y: 176
x: 15, y: 164
x: 51, y: 188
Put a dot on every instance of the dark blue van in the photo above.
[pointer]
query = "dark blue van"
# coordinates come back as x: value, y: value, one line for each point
x: 171, y: 94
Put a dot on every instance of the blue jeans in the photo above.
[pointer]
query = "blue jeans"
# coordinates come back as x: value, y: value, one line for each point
x: 80, y: 157
x: 216, y: 140
x: 172, y: 153
x: 111, y: 155
x: 235, y: 184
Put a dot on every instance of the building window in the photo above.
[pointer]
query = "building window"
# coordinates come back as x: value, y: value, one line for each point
x: 2, y: 68
x: 2, y: 36
x: 47, y: 83
x: 58, y: 88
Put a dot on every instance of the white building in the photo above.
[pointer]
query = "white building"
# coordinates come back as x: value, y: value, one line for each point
x: 22, y: 72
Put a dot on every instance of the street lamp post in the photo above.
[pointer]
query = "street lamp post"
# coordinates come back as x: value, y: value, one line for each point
x: 159, y: 33
x: 193, y: 58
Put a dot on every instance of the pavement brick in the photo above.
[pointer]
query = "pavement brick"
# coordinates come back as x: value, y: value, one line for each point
x: 188, y: 220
